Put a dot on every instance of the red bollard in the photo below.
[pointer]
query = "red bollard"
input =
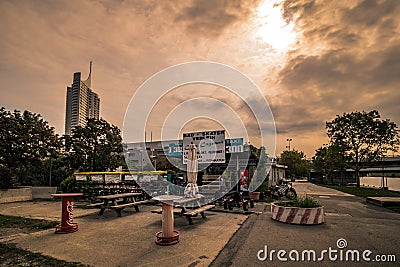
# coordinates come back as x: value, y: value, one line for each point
x: 67, y: 224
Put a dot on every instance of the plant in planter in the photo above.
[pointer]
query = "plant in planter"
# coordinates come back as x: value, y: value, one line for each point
x: 261, y: 192
x: 298, y: 211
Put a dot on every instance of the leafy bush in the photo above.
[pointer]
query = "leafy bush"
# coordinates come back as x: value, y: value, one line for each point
x: 303, y: 202
x: 68, y: 185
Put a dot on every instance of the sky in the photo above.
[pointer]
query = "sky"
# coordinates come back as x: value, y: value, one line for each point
x: 311, y: 59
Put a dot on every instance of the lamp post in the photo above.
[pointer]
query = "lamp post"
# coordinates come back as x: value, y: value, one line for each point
x: 289, y: 140
x: 50, y: 168
x: 246, y: 149
x: 50, y: 171
x: 237, y: 173
x: 141, y: 160
x: 154, y: 158
x: 383, y: 174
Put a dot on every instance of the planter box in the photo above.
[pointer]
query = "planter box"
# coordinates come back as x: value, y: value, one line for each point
x: 296, y: 215
x: 254, y: 195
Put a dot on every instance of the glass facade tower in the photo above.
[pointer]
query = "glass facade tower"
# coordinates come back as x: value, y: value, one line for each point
x: 81, y: 103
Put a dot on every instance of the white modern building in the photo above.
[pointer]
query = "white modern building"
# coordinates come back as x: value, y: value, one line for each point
x: 81, y: 103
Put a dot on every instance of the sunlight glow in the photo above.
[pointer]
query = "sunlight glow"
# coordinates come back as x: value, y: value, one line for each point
x: 272, y: 28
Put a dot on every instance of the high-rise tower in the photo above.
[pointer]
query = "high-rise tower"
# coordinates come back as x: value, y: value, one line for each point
x: 82, y: 102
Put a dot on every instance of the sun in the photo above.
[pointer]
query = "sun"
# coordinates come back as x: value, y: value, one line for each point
x: 272, y: 28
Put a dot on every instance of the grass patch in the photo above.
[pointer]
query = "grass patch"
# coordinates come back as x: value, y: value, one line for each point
x: 10, y: 255
x: 7, y: 221
x: 368, y: 192
x: 364, y: 192
x: 302, y: 202
x: 394, y: 208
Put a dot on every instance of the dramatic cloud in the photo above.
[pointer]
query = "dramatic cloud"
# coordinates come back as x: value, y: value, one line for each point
x: 210, y: 18
x: 347, y: 59
x: 345, y: 56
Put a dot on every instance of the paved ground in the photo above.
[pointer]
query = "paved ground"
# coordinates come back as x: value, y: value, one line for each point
x: 109, y: 240
x: 364, y: 226
x: 46, y: 210
x: 223, y: 239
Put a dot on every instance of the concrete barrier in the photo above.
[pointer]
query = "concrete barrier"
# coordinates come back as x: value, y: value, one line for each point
x: 14, y: 195
x: 296, y: 215
x: 43, y: 192
x: 26, y: 194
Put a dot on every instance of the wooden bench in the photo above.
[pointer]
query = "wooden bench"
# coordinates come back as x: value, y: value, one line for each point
x: 135, y: 204
x: 188, y: 213
x: 193, y: 213
x: 95, y: 205
x: 177, y: 211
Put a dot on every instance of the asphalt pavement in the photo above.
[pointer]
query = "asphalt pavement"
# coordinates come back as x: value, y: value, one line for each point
x: 351, y: 226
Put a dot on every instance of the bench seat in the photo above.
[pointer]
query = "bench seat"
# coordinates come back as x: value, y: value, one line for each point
x: 193, y: 213
x: 159, y: 211
x: 188, y: 213
x: 95, y: 205
x: 130, y: 204
x: 200, y: 210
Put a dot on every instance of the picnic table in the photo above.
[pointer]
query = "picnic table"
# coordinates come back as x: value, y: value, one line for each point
x: 169, y: 236
x: 188, y: 207
x: 119, y: 202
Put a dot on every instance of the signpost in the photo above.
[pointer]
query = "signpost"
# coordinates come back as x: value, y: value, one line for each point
x: 234, y: 145
x: 175, y: 149
x: 210, y: 146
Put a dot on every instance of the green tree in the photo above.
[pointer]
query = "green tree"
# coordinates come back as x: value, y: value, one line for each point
x: 364, y: 136
x: 330, y: 160
x: 95, y: 147
x: 255, y: 152
x: 6, y: 178
x: 298, y: 165
x: 26, y: 142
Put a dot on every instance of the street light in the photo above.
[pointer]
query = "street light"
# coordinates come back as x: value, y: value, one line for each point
x: 289, y: 140
x: 154, y: 158
x: 51, y: 163
x: 141, y: 160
